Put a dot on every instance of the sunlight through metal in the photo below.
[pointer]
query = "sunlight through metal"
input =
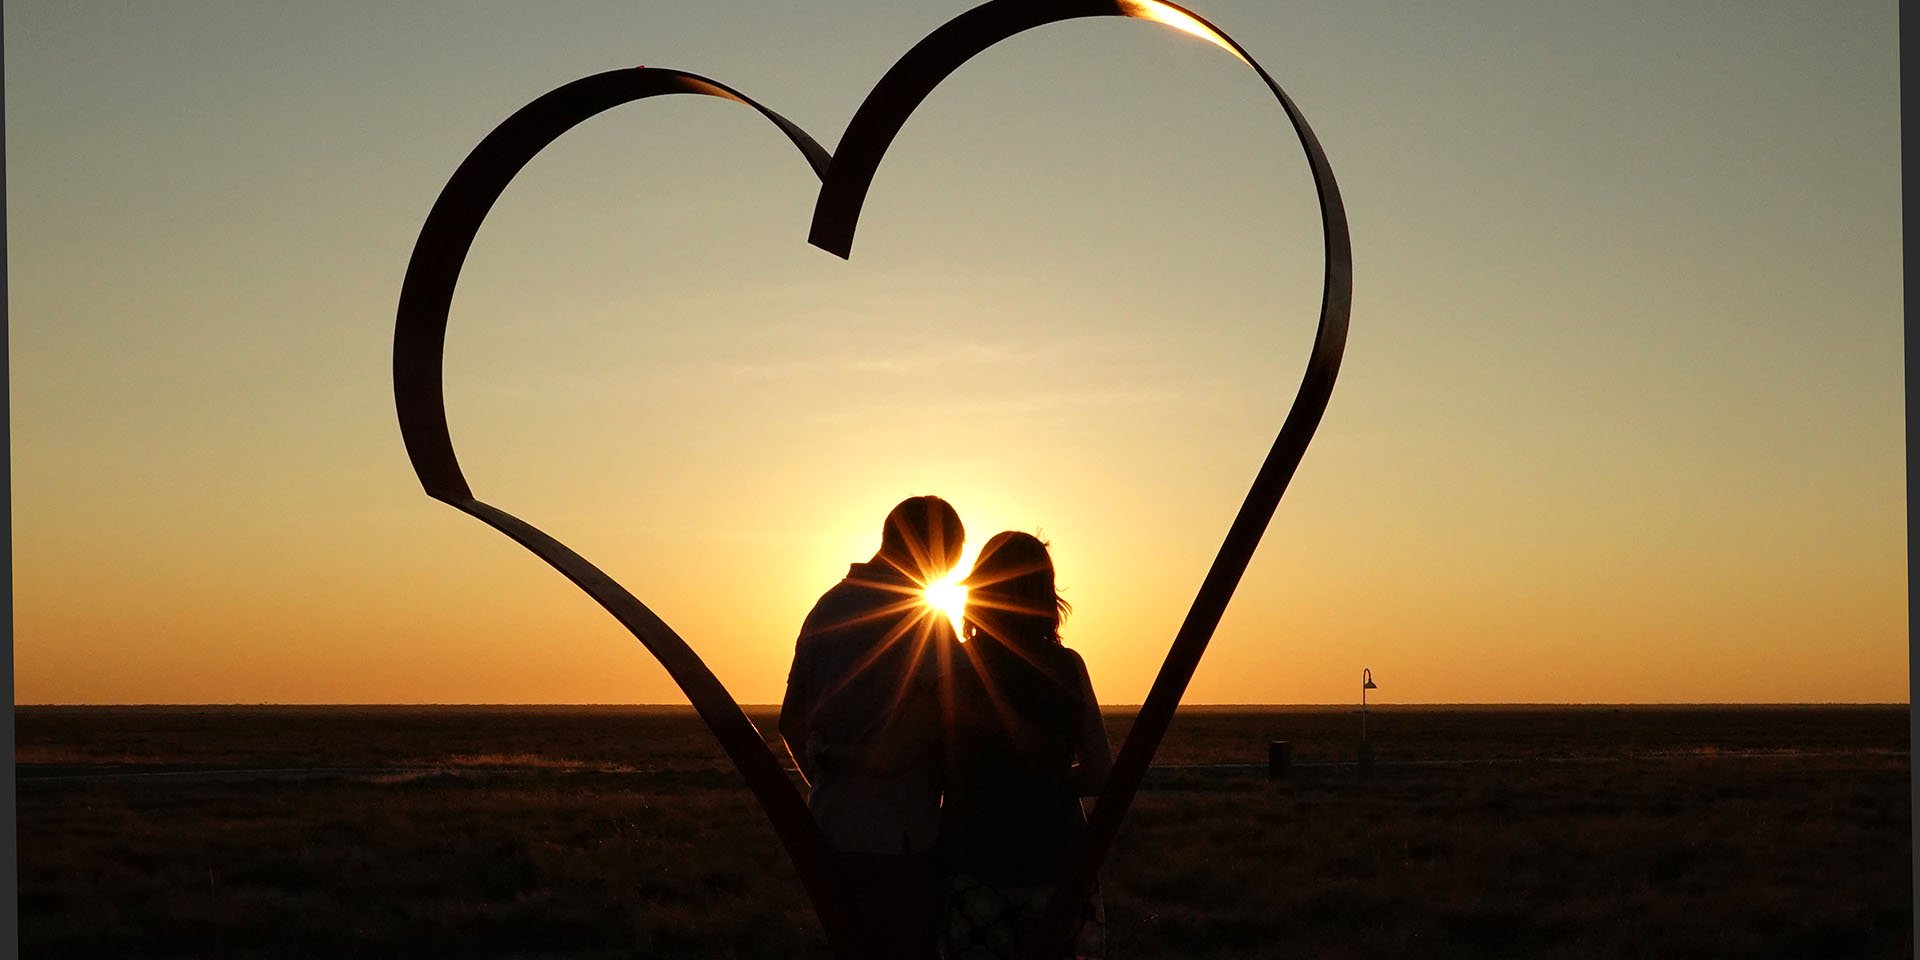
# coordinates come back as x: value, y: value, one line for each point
x: 1180, y: 20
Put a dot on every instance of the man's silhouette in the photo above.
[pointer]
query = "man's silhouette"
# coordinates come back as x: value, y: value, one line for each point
x: 861, y: 718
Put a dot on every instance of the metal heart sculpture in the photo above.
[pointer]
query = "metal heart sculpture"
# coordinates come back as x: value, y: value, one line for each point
x: 420, y: 336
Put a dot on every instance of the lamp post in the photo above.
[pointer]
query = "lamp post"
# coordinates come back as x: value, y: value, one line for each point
x: 1366, y: 749
x: 1366, y: 683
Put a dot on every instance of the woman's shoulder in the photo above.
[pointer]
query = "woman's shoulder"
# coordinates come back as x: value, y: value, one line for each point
x: 1070, y: 657
x: 1063, y: 664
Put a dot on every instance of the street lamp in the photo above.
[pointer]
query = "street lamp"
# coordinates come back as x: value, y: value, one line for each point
x: 1366, y: 683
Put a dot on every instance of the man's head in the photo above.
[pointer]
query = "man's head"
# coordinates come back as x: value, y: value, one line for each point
x: 922, y: 538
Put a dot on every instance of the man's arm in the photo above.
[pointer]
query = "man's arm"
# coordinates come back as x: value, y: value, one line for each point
x: 907, y: 735
x: 796, y: 712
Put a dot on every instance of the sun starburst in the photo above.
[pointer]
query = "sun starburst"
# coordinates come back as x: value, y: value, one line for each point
x: 947, y: 596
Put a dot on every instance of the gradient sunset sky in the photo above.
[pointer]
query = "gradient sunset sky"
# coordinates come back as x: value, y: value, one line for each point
x: 1620, y: 418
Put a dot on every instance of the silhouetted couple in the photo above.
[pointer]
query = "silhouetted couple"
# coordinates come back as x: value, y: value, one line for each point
x: 947, y: 774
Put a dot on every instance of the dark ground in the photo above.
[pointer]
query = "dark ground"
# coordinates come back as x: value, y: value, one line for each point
x: 617, y: 832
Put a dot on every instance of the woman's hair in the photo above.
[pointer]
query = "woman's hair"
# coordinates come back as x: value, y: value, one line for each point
x: 1010, y: 593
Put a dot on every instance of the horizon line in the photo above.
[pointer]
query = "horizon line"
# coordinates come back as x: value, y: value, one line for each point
x: 1104, y: 706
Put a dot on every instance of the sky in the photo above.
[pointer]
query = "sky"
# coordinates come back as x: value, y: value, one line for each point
x: 1620, y: 418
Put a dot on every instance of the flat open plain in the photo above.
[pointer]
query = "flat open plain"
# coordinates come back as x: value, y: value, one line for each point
x: 581, y: 832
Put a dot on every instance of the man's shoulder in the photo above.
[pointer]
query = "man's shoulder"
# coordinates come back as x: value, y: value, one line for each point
x: 830, y: 610
x: 851, y: 602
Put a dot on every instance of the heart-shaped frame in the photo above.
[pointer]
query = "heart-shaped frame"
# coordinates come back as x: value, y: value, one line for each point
x: 420, y: 336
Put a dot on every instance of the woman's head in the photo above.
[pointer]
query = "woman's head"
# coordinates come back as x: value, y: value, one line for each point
x: 1010, y: 593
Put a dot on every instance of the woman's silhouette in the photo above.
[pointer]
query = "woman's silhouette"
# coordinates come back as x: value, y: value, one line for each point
x: 1026, y: 744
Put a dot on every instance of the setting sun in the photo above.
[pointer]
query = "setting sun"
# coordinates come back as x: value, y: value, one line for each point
x: 948, y: 596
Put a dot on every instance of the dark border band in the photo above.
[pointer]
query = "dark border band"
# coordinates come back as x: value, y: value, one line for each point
x: 836, y: 214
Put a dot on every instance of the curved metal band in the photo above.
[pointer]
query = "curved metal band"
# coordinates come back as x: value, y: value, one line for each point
x: 426, y: 294
x: 418, y: 345
x: 836, y: 214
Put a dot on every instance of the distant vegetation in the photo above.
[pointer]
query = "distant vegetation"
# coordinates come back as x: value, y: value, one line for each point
x: 580, y: 833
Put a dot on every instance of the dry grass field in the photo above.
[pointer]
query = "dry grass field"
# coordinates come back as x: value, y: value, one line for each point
x: 622, y: 832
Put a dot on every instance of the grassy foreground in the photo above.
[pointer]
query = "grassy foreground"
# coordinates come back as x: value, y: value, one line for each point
x: 574, y: 832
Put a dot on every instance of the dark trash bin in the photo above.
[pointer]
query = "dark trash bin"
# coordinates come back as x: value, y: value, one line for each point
x: 1279, y: 758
